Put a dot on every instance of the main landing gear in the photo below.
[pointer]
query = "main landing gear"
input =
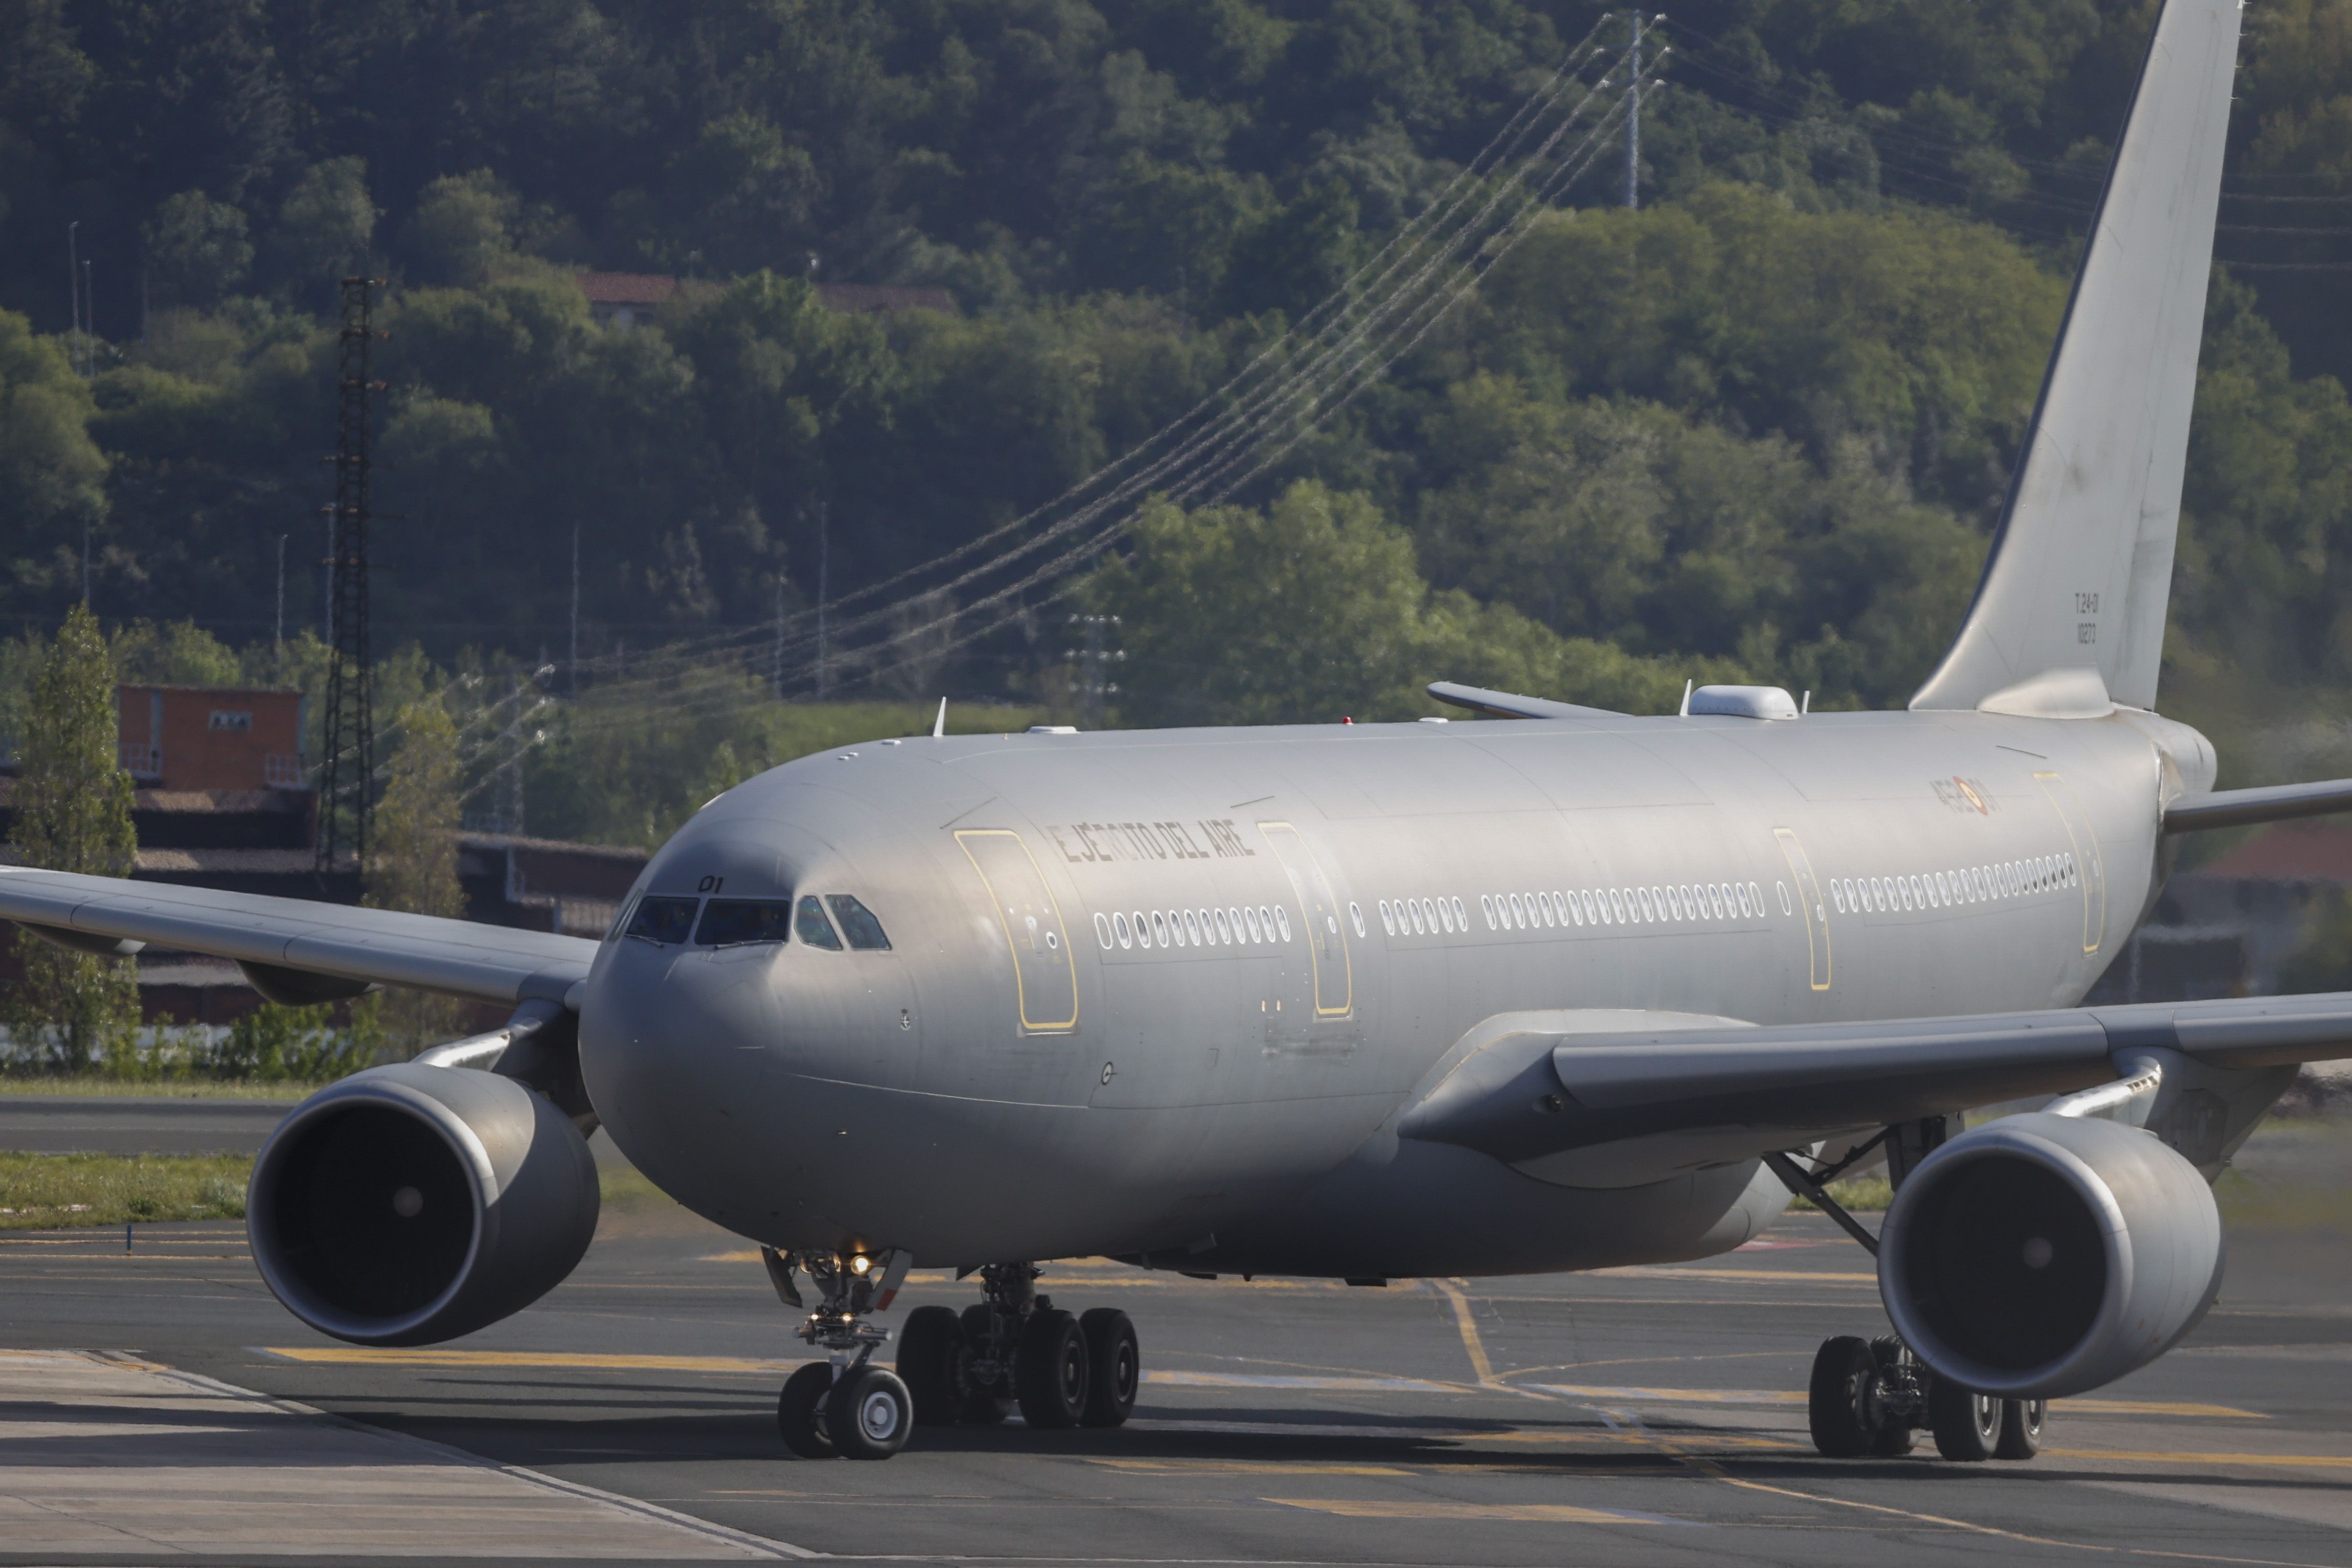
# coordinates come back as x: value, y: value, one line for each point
x: 1014, y: 1348
x: 1869, y: 1397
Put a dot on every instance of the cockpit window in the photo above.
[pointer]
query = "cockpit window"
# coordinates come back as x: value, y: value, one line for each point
x: 729, y: 921
x: 813, y: 928
x: 857, y: 923
x: 664, y: 920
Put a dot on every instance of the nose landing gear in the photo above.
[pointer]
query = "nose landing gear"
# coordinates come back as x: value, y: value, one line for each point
x: 845, y: 1406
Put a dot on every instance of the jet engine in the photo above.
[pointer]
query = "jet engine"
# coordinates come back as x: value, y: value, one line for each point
x: 2042, y: 1255
x: 411, y: 1203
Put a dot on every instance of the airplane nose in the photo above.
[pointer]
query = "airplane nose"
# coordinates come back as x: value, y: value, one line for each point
x: 672, y: 1041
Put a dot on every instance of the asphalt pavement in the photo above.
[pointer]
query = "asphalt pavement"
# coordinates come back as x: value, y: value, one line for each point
x: 157, y: 1403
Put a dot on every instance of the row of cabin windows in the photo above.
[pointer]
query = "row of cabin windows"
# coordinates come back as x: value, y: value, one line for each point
x: 1943, y: 889
x: 1623, y: 905
x: 1193, y: 927
x: 732, y: 922
x: 1423, y: 917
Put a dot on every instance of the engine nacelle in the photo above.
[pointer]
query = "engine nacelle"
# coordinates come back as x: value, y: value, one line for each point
x: 412, y: 1204
x: 2041, y: 1256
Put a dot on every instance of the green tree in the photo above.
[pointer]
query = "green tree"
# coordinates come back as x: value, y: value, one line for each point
x: 1315, y: 610
x: 324, y: 229
x: 198, y: 248
x: 52, y: 474
x: 412, y: 861
x: 464, y: 228
x: 72, y: 798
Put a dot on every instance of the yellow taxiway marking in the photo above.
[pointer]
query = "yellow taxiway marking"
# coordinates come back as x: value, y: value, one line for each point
x: 1520, y: 1513
x: 356, y: 1355
x: 1246, y: 1468
x: 1652, y: 1272
x: 1586, y: 1391
x: 2289, y: 1461
x: 1466, y: 1322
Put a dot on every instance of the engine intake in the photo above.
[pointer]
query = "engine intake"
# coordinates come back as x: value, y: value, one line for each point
x: 411, y: 1203
x: 2039, y: 1255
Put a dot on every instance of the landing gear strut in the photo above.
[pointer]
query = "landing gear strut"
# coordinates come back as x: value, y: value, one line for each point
x: 846, y: 1405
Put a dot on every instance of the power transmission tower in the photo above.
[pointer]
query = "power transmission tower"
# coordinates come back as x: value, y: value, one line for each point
x: 1634, y: 113
x: 1094, y: 685
x: 347, y: 763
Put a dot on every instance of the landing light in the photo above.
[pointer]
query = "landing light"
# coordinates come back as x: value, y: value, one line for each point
x: 861, y: 1264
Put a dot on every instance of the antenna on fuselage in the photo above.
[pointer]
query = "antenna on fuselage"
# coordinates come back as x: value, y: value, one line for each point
x: 940, y: 725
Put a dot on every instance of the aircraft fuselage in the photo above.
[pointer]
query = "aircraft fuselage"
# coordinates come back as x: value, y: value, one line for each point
x: 1164, y: 992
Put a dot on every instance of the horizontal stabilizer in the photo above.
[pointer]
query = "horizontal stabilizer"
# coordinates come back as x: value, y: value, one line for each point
x: 2273, y: 803
x: 280, y: 940
x: 1552, y: 1093
x: 1510, y: 705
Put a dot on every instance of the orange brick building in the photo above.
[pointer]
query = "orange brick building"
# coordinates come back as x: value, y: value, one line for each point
x: 211, y: 737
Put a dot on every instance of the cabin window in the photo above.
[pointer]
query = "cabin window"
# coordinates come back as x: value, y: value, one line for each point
x: 865, y: 932
x: 1217, y: 917
x: 1782, y: 889
x: 1387, y: 917
x: 665, y: 921
x: 1643, y: 902
x: 1265, y: 924
x: 1356, y: 918
x: 1487, y: 908
x: 1159, y: 928
x: 812, y: 928
x: 1449, y: 916
x: 1249, y: 918
x: 1102, y: 930
x: 1191, y: 928
x: 1282, y: 922
x: 1614, y: 902
x: 1837, y: 895
x: 730, y: 922
x: 1118, y: 928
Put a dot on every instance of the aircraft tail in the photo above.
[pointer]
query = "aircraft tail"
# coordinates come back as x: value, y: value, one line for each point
x: 2080, y: 567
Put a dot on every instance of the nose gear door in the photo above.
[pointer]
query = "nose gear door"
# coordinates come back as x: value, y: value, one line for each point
x: 1045, y: 980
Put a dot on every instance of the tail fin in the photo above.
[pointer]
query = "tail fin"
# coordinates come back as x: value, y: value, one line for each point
x: 2081, y: 566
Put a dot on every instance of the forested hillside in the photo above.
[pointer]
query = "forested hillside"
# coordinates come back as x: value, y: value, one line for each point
x: 1757, y: 427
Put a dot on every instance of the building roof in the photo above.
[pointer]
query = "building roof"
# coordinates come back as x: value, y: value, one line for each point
x: 2288, y: 852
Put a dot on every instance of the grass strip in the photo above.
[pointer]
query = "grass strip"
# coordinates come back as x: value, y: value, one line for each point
x: 40, y: 1192
x: 93, y: 1085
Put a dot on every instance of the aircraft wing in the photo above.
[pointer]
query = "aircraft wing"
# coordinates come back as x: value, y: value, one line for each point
x: 2271, y: 803
x: 1534, y: 1096
x: 1511, y: 704
x: 296, y: 950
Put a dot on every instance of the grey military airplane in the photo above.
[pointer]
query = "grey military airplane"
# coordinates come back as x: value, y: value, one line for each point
x: 1365, y: 1001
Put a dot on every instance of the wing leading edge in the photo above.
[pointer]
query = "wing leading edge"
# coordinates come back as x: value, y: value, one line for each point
x: 1535, y: 1095
x: 289, y: 946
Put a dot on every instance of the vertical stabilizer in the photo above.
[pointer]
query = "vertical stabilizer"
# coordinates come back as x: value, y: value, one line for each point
x: 2082, y: 564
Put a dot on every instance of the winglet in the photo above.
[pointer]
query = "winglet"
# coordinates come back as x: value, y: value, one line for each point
x: 940, y: 725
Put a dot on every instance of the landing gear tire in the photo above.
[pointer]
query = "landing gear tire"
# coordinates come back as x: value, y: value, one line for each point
x: 1968, y: 1424
x: 1049, y: 1371
x: 1837, y: 1400
x: 2022, y: 1421
x: 869, y: 1413
x: 927, y: 1363
x: 801, y: 1413
x: 1114, y: 1367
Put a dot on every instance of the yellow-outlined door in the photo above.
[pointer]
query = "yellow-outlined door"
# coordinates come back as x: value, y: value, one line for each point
x: 1812, y: 909
x: 1043, y: 976
x: 2087, y: 859
x: 1327, y: 929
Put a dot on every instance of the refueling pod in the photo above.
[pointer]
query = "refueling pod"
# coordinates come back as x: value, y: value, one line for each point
x: 411, y: 1203
x: 2042, y: 1255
